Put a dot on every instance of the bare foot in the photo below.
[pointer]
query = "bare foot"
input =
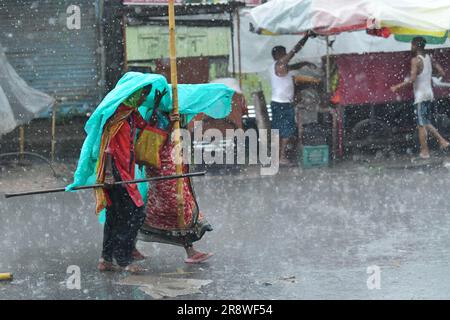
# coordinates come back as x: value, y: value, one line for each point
x: 285, y: 162
x: 104, y: 266
x: 198, y: 257
x: 137, y: 256
x: 424, y: 156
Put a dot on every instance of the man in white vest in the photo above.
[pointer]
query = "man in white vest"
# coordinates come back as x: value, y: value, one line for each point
x: 282, y: 81
x: 422, y: 66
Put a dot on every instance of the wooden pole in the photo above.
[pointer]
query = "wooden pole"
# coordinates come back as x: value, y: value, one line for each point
x: 53, y: 133
x: 328, y: 66
x: 21, y: 142
x: 176, y: 125
x: 21, y: 139
x: 238, y: 20
x: 233, y: 58
x: 334, y: 113
x: 124, y: 44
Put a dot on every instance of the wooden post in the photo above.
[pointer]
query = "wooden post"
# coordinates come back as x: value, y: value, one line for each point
x: 21, y: 142
x: 335, y: 138
x: 328, y: 69
x: 53, y: 147
x: 124, y: 44
x: 21, y: 139
x: 334, y: 133
x: 232, y: 43
x: 238, y: 20
x: 176, y: 126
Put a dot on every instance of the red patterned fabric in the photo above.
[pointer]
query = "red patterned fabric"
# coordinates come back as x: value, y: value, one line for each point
x: 162, y: 206
x: 121, y: 148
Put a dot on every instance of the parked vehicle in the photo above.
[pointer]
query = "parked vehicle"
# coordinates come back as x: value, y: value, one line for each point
x: 370, y: 116
x: 234, y: 121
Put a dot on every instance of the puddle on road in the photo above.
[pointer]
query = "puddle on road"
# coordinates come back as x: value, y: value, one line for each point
x: 162, y: 287
x: 279, y: 280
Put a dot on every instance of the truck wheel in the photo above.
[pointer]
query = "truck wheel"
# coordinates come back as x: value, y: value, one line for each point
x: 370, y: 130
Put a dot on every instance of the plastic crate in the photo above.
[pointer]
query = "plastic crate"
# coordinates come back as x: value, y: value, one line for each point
x: 315, y: 156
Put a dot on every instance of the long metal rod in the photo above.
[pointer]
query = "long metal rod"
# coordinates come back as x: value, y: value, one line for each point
x: 177, y: 176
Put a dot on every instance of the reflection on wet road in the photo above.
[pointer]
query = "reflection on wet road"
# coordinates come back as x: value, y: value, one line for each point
x: 301, y: 234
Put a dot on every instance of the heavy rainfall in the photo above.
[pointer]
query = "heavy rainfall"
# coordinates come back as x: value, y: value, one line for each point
x: 286, y: 149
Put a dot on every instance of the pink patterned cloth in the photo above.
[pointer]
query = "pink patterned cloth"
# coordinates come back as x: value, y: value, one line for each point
x: 162, y: 207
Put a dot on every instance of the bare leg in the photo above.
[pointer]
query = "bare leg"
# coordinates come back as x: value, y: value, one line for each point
x: 300, y: 137
x: 442, y: 142
x: 300, y: 129
x: 424, y: 151
x: 104, y: 265
x: 137, y: 255
x: 283, y: 148
x: 190, y: 251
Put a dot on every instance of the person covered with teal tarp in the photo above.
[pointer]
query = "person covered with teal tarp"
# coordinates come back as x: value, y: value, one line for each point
x: 213, y: 100
x: 123, y: 203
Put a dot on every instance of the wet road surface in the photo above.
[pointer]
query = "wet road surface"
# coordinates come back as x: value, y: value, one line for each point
x: 303, y: 234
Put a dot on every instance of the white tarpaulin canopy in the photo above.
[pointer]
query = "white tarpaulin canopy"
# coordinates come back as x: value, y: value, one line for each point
x: 336, y: 16
x: 255, y: 49
x: 19, y: 103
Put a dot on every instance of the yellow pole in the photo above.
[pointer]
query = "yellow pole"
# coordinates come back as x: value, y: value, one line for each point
x: 6, y: 276
x: 176, y: 126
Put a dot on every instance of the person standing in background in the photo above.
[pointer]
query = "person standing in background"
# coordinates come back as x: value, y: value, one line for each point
x: 422, y: 66
x: 282, y: 81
